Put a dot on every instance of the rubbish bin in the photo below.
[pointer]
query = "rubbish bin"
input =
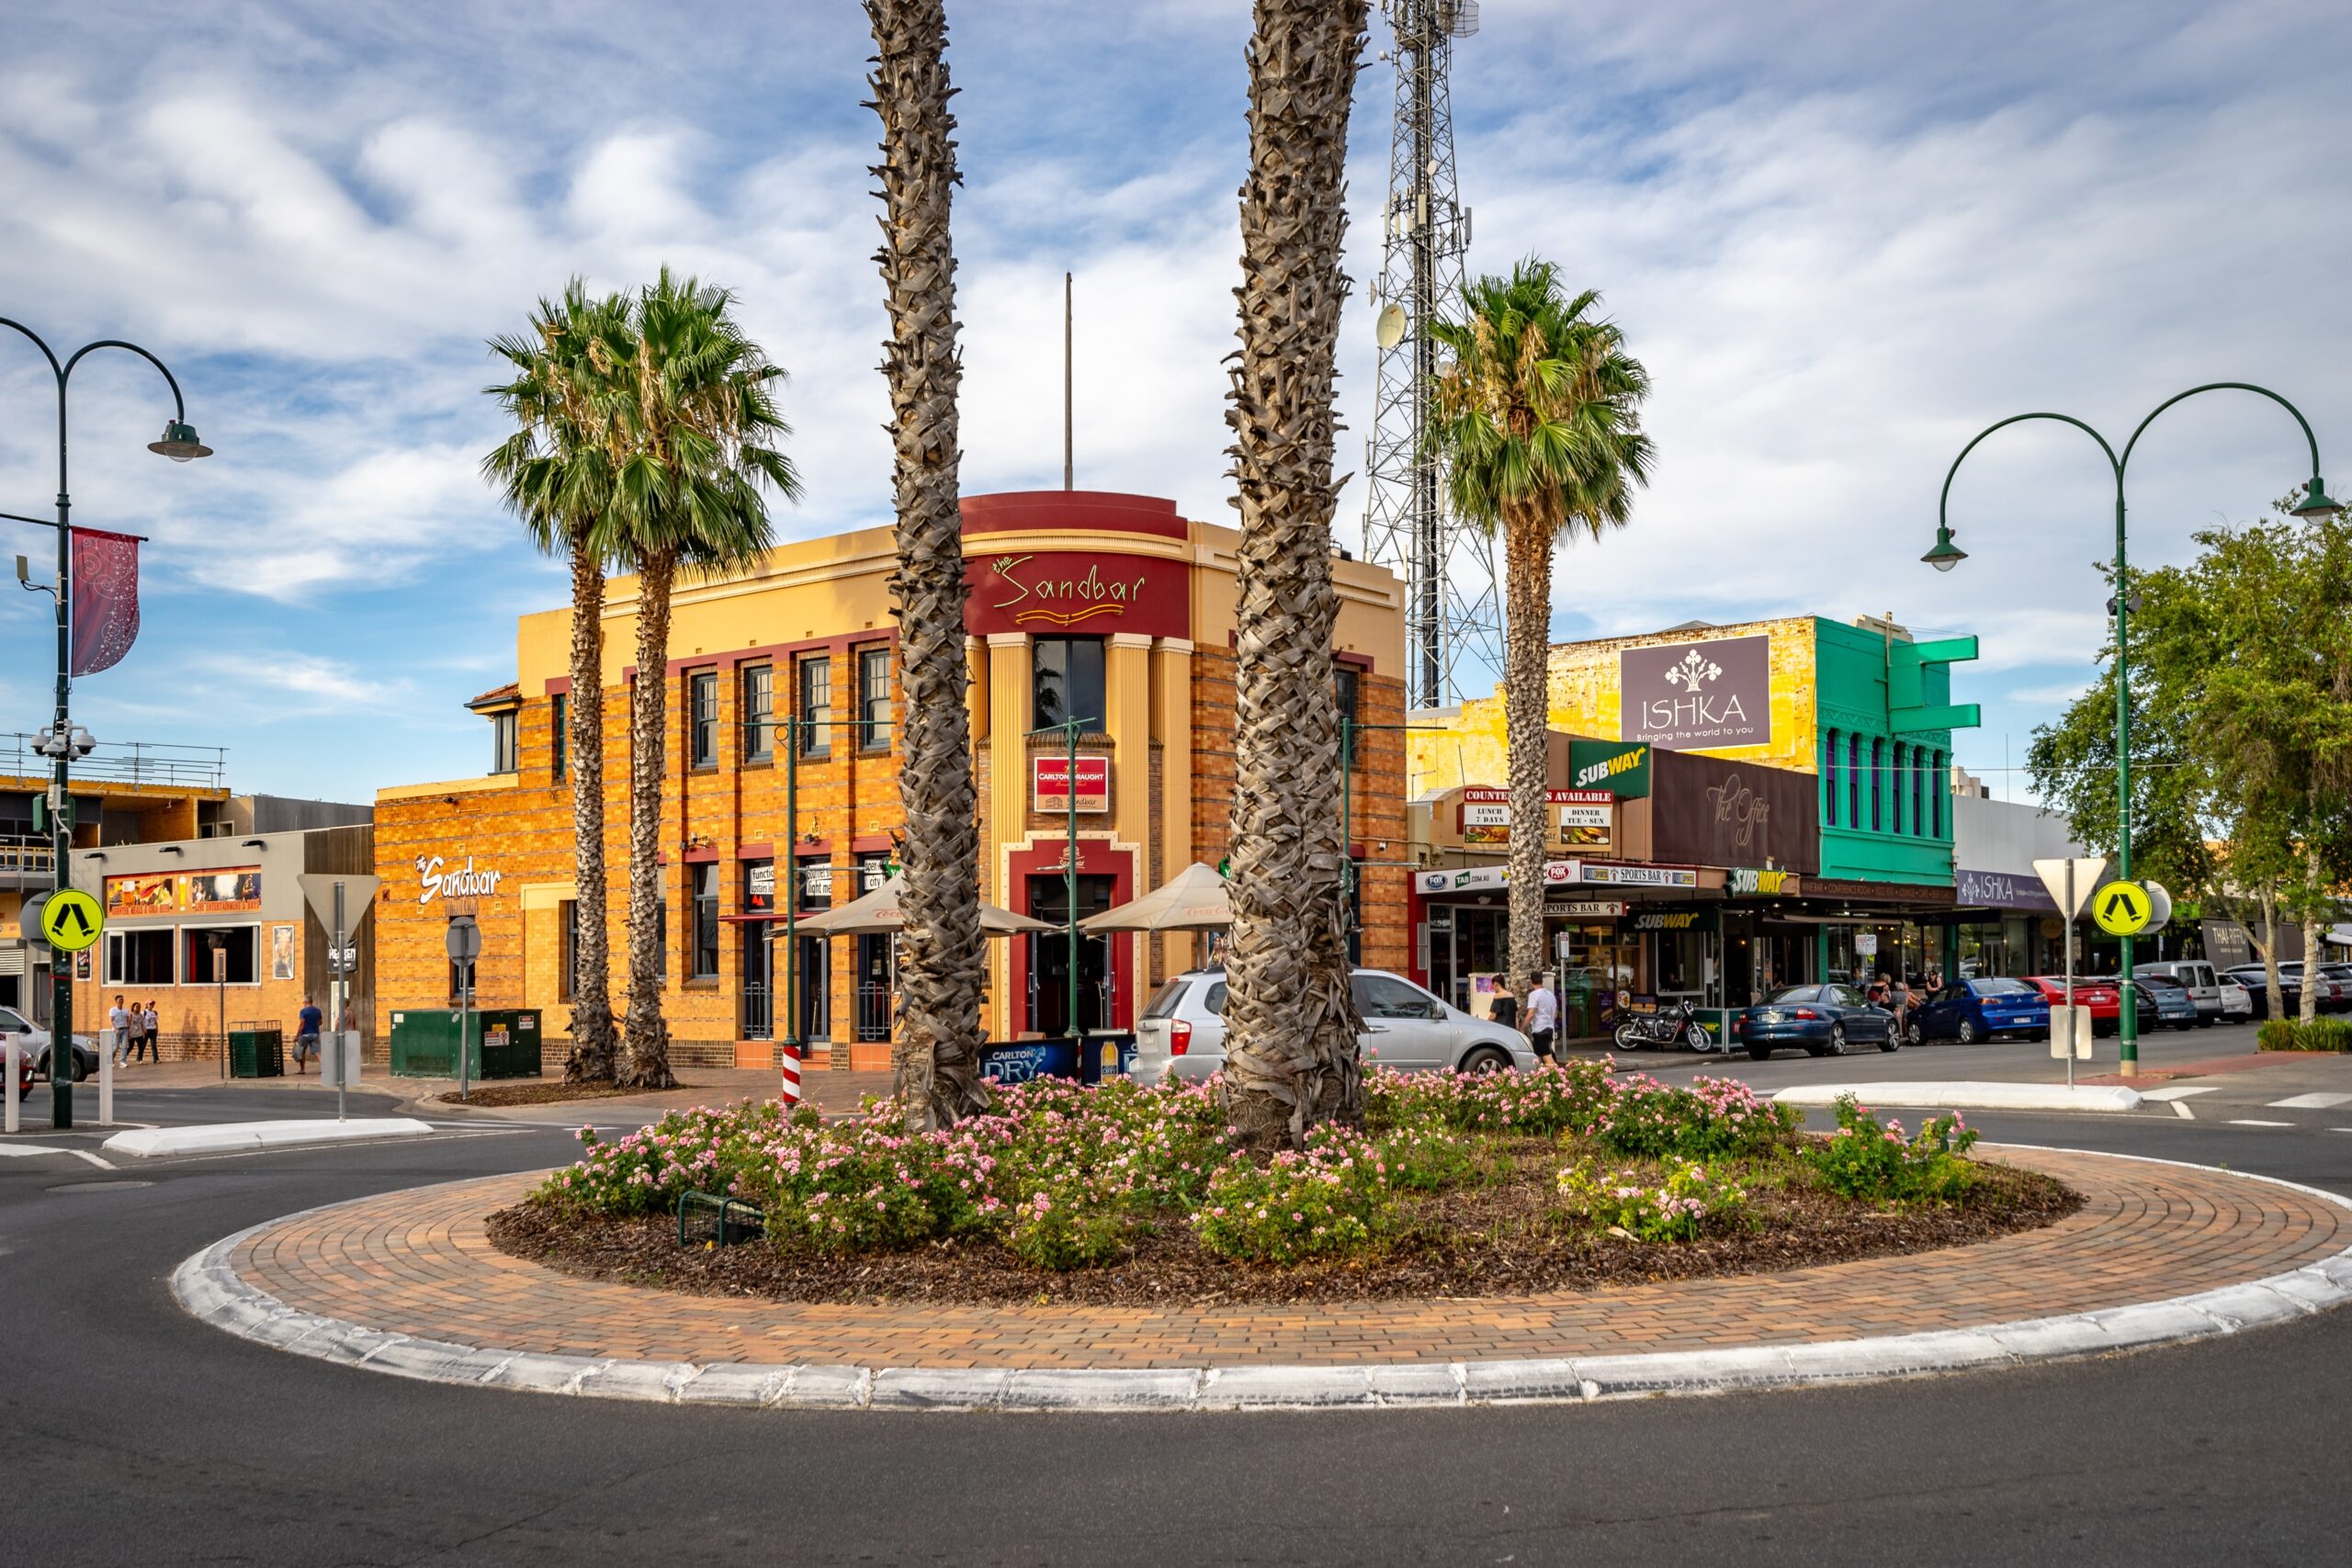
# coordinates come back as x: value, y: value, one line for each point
x: 256, y: 1051
x: 502, y: 1042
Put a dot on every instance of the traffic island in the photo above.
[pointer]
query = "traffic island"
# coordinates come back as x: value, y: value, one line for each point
x: 408, y: 1283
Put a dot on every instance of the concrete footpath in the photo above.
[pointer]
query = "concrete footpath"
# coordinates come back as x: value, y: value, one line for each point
x: 407, y: 1283
x: 1929, y: 1094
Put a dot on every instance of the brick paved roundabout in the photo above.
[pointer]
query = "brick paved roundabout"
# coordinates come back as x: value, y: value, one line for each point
x: 408, y: 1284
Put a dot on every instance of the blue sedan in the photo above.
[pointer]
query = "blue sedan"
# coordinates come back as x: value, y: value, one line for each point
x: 1982, y: 1009
x: 1819, y: 1020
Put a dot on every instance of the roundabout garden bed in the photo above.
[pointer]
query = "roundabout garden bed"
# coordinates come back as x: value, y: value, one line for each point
x: 1563, y: 1179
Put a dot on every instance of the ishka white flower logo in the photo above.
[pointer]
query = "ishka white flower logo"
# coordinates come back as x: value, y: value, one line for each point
x: 1693, y: 670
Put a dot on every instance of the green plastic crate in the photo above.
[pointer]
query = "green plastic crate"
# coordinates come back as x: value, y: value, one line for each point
x: 256, y: 1053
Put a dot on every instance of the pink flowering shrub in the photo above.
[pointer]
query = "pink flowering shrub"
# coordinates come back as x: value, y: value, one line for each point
x: 1555, y: 1098
x: 1676, y: 1209
x: 1865, y: 1160
x: 1335, y: 1198
x: 1712, y: 1118
x: 644, y: 1172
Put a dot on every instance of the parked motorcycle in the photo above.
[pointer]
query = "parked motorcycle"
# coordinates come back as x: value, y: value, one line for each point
x: 1668, y: 1026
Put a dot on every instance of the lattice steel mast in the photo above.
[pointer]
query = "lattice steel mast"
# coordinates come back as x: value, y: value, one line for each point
x: 1451, y: 611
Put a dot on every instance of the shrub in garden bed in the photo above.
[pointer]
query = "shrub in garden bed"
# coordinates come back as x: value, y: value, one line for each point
x: 1516, y: 1180
x: 2293, y: 1034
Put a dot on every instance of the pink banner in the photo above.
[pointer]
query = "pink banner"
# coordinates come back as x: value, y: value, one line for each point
x: 106, y: 599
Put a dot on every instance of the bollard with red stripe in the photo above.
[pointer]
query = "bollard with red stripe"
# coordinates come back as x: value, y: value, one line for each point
x: 788, y: 1062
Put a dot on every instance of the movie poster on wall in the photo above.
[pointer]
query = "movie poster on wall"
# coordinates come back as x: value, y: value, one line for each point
x: 220, y: 892
x: 281, y: 952
x: 152, y: 893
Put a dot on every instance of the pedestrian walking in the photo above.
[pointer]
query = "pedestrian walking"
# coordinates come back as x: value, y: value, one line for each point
x: 118, y: 1023
x: 149, y: 1030
x: 1503, y: 1007
x: 306, y: 1034
x: 1899, y: 1001
x: 1543, y: 1016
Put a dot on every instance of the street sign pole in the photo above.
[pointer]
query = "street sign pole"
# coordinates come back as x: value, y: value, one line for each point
x: 2070, y: 976
x: 464, y: 943
x: 334, y: 959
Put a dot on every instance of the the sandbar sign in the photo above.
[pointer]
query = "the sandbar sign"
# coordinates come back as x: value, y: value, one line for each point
x: 463, y: 883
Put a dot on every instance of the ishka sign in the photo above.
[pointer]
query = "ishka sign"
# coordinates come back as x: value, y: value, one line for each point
x: 1698, y: 696
x: 1046, y: 592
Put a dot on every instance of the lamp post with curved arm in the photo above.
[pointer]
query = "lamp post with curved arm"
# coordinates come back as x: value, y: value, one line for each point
x: 179, y: 444
x: 1946, y: 555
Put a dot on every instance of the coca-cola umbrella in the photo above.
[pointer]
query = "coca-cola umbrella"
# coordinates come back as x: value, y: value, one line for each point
x: 878, y: 911
x: 1194, y: 902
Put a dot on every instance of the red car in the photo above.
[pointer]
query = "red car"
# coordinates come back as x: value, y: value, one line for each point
x: 2101, y: 997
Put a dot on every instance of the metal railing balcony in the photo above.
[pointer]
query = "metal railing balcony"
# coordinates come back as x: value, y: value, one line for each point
x: 158, y: 763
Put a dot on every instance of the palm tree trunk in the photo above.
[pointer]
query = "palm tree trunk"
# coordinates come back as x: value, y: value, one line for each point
x: 646, y: 1062
x: 1527, y: 704
x: 1291, y: 1041
x: 592, y: 1057
x: 934, y: 1059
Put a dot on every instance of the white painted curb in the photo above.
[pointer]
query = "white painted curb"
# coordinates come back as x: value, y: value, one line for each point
x: 1957, y: 1096
x: 213, y: 1291
x: 249, y: 1137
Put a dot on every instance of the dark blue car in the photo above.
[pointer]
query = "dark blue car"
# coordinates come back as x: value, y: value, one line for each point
x: 1970, y: 1010
x: 1821, y: 1020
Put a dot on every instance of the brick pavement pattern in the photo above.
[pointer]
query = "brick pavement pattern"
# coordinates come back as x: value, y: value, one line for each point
x: 419, y: 1263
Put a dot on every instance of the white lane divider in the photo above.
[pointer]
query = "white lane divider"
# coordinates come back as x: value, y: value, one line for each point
x: 2247, y: 1122
x: 2177, y: 1092
x: 2310, y: 1102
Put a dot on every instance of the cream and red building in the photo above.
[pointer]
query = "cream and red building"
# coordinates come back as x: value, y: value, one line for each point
x: 1083, y: 605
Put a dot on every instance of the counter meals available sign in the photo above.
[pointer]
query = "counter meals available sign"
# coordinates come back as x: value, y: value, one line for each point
x: 1051, y: 783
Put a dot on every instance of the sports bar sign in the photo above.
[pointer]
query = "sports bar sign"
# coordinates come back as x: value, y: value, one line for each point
x: 1049, y: 783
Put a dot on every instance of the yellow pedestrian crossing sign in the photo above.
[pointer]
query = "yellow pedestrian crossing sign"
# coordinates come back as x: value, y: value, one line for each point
x: 72, y: 921
x: 2121, y: 908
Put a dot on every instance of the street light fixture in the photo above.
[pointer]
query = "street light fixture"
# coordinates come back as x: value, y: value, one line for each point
x: 1947, y: 555
x: 179, y: 444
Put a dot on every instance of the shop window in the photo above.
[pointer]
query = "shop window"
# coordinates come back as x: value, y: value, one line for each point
x: 1066, y: 683
x: 1878, y: 785
x: 567, y: 963
x: 815, y: 886
x: 1853, y: 781
x: 558, y: 738
x: 1829, y: 781
x: 816, y: 706
x: 501, y: 742
x: 874, y: 699
x: 1347, y: 683
x: 139, y: 958
x: 758, y: 702
x: 706, y: 909
x: 759, y: 887
x: 237, y: 952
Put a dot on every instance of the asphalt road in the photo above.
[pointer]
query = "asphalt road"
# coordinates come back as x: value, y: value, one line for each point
x: 134, y: 1435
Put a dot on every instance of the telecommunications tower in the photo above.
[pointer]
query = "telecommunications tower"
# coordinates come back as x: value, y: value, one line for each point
x: 1453, y: 616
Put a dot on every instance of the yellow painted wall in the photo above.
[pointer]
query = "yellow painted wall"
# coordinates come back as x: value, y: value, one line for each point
x: 1583, y: 699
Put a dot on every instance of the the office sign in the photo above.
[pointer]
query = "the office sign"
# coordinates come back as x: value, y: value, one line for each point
x: 1698, y: 696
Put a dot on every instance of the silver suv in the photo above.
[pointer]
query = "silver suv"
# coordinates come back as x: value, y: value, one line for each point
x: 2197, y: 977
x: 1181, y: 1032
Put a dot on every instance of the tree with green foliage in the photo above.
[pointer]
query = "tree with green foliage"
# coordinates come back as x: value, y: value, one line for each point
x: 2241, y: 702
x: 1537, y: 409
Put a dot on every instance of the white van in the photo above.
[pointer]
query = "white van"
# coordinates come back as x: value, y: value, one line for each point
x: 2196, y: 976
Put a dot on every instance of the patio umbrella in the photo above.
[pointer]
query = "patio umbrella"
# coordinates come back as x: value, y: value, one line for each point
x: 1194, y: 902
x: 879, y: 911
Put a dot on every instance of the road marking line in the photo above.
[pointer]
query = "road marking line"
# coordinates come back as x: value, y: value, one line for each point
x: 2243, y: 1121
x: 2180, y: 1109
x: 101, y: 1163
x: 2178, y: 1092
x: 2311, y: 1102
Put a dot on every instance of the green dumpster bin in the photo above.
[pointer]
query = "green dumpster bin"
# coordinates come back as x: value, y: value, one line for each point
x: 256, y: 1051
x: 502, y: 1043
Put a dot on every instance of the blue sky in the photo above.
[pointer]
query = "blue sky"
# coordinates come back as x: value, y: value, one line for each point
x: 1842, y: 237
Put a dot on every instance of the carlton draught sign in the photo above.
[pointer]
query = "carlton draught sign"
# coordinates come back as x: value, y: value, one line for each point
x: 1049, y: 783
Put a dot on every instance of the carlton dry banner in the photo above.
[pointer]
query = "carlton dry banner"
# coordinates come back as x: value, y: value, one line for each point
x: 1698, y: 695
x: 236, y: 891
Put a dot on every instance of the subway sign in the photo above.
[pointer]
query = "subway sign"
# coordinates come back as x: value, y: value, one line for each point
x: 1621, y: 767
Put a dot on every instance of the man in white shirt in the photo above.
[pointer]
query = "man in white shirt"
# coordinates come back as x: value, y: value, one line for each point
x: 1543, y: 1015
x: 118, y: 1019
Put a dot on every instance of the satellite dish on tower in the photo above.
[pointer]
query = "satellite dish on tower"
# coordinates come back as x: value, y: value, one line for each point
x: 1388, y: 328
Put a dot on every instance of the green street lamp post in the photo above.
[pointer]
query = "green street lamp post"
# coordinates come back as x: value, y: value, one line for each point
x: 179, y: 444
x: 1947, y: 555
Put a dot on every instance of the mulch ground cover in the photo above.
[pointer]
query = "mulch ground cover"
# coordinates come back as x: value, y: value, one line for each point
x: 1504, y: 1237
x: 542, y: 1092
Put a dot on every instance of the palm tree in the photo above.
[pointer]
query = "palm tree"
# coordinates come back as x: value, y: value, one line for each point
x: 1538, y: 414
x: 556, y: 473
x: 1291, y: 1051
x: 693, y: 423
x: 935, y: 1056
